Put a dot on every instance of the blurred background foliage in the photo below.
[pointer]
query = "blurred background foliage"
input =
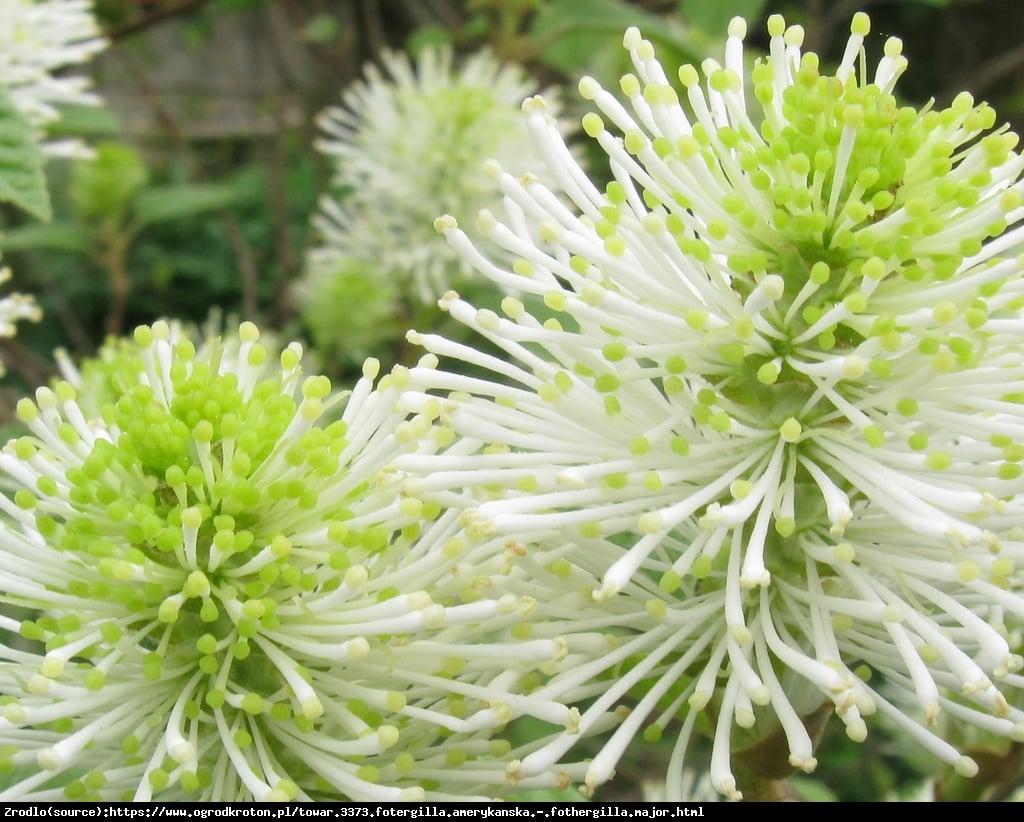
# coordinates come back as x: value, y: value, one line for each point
x: 204, y: 182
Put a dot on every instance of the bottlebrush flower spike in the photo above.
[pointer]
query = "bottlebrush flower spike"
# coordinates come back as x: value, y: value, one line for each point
x: 221, y: 588
x: 780, y: 372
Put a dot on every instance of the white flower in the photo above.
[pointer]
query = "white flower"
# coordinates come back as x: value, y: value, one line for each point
x: 39, y: 38
x: 408, y: 143
x: 782, y: 378
x: 15, y: 307
x: 235, y: 595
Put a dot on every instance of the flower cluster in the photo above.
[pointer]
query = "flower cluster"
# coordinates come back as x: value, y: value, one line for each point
x: 37, y: 39
x: 774, y: 396
x: 748, y: 456
x: 407, y: 144
x: 220, y: 588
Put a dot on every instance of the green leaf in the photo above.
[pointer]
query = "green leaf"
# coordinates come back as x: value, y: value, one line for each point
x: 428, y: 37
x: 85, y: 121
x: 713, y: 16
x: 175, y: 201
x: 102, y: 189
x: 22, y: 181
x: 575, y: 36
x: 321, y: 28
x: 55, y: 236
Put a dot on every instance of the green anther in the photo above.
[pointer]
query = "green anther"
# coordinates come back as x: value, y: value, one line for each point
x: 732, y: 352
x: 1013, y: 452
x: 675, y: 364
x: 615, y: 246
x: 111, y: 632
x: 785, y: 527
x: 168, y: 611
x: 143, y: 336
x: 819, y: 273
x: 1010, y: 470
x: 635, y: 141
x: 696, y: 318
x: 943, y: 362
x: 640, y: 446
x: 209, y: 611
x: 670, y: 582
x: 206, y: 644
x: 680, y: 445
x: 630, y: 85
x: 252, y: 703
x: 614, y: 351
x: 880, y: 368
x: 790, y: 430
x: 938, y: 460
x: 26, y: 410
x: 203, y: 431
x: 616, y: 481
x: 152, y: 666
x: 945, y: 312
x: 874, y: 436
x: 855, y: 303
x: 768, y: 374
x: 197, y: 585
x: 961, y: 347
x: 592, y: 125
x: 907, y: 406
x: 555, y: 300
x: 873, y: 268
x: 25, y: 499
x: 701, y: 567
x: 918, y: 441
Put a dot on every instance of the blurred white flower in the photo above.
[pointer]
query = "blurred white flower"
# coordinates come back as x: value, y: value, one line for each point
x: 38, y: 39
x: 408, y: 144
x: 780, y: 391
x: 15, y: 307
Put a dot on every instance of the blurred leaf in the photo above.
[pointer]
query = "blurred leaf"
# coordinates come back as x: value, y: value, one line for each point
x: 552, y: 795
x: 22, y: 182
x: 172, y: 202
x: 55, y: 236
x: 321, y: 28
x: 427, y: 37
x: 813, y: 790
x: 574, y: 33
x: 713, y: 16
x: 572, y: 40
x: 103, y: 188
x: 85, y: 121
